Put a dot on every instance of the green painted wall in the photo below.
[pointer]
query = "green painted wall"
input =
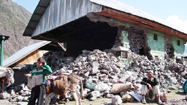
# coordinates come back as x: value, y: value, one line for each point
x: 125, y: 35
x: 178, y: 50
x: 157, y: 46
x: 125, y: 39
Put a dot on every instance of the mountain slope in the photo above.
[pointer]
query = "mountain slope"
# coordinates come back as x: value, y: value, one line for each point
x: 13, y: 20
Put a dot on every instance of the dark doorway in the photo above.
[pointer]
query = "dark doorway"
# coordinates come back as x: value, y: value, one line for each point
x: 141, y: 51
x: 84, y: 34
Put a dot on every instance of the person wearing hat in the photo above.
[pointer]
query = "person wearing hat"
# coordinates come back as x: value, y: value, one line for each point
x: 150, y: 85
x: 38, y: 72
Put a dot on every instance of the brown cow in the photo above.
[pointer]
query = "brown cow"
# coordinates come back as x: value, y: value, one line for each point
x: 61, y: 85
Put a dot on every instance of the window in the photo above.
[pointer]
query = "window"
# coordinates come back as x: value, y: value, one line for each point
x: 178, y: 60
x: 118, y: 53
x: 123, y: 54
x: 178, y: 42
x: 155, y: 36
x: 156, y: 58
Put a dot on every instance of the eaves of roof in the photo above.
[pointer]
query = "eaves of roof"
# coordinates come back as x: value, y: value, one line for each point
x: 35, y: 18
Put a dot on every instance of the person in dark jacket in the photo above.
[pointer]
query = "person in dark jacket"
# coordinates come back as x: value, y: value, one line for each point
x: 38, y: 72
x: 150, y: 84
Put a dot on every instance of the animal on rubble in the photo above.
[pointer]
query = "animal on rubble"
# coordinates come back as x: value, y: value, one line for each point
x: 61, y: 85
x: 6, y: 75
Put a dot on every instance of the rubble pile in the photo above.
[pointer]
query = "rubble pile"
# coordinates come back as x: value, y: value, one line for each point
x: 169, y: 73
x: 102, y: 71
x: 54, y: 59
x: 175, y: 67
x: 105, y: 75
x: 19, y: 93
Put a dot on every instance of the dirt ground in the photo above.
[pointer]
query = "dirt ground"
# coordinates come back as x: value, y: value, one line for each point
x: 173, y: 99
x: 171, y: 96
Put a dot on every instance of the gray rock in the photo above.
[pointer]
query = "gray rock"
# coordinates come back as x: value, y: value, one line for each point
x: 116, y: 100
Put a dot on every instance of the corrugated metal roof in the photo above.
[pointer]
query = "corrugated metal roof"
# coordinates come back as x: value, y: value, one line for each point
x: 61, y: 12
x: 63, y: 16
x: 35, y: 18
x: 23, y: 53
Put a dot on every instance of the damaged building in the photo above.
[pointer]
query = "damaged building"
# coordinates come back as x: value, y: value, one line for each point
x: 105, y: 24
x: 96, y: 32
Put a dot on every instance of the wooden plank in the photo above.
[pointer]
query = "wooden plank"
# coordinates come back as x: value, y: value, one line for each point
x: 30, y: 59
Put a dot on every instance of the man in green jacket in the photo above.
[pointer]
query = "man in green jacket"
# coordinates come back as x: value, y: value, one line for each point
x: 38, y: 72
x: 150, y: 84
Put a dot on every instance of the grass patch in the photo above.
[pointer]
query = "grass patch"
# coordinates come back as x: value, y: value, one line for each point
x: 176, y: 90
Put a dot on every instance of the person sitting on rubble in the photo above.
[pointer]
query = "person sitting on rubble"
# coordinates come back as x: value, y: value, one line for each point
x: 38, y: 72
x: 184, y: 86
x: 150, y: 85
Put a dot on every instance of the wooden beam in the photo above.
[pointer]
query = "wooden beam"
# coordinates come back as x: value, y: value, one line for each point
x: 141, y: 22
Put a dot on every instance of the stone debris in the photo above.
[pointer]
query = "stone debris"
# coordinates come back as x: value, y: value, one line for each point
x: 105, y: 75
x: 94, y: 95
x: 101, y: 87
x: 116, y: 100
x: 17, y: 93
x: 4, y: 95
x: 102, y: 71
x: 127, y: 98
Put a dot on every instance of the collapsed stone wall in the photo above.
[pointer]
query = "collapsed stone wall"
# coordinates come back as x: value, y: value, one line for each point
x: 98, y: 64
x: 169, y: 49
x: 101, y: 71
x: 137, y: 37
x: 119, y: 39
x: 102, y: 67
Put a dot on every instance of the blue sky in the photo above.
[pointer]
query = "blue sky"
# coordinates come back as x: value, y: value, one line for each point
x: 30, y: 5
x: 160, y: 8
x: 172, y: 11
